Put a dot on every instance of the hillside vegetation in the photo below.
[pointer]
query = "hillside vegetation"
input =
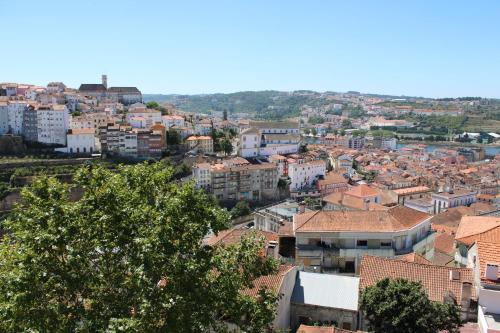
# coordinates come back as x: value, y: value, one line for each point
x: 268, y: 104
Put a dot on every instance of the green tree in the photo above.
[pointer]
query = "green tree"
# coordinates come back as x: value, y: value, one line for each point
x: 173, y: 137
x: 226, y: 146
x: 314, y: 131
x: 394, y: 306
x: 240, y: 209
x: 152, y: 105
x: 346, y: 123
x: 126, y: 257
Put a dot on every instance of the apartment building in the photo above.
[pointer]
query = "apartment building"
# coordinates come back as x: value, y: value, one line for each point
x: 16, y: 111
x: 237, y: 181
x: 203, y: 144
x: 169, y: 121
x: 150, y: 116
x: 131, y: 142
x: 52, y: 124
x: 304, y: 174
x: 337, y: 240
x: 93, y: 120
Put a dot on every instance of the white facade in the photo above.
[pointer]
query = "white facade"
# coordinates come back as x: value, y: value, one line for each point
x: 151, y: 116
x: 445, y: 200
x: 201, y: 175
x: 305, y: 173
x: 389, y: 143
x: 279, y: 149
x: 169, y: 121
x: 53, y: 123
x: 16, y: 115
x: 250, y: 144
x: 81, y: 142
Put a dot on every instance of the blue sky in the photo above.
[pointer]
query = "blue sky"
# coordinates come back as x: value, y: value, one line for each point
x: 423, y: 48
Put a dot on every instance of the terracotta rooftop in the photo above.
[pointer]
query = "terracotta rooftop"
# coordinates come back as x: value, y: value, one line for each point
x: 487, y: 253
x: 436, y: 280
x: 450, y: 218
x: 362, y: 191
x: 322, y: 329
x: 271, y: 282
x: 233, y: 236
x: 395, y: 219
x: 444, y: 242
x: 478, y: 228
x: 332, y: 178
x: 414, y: 257
x: 414, y: 189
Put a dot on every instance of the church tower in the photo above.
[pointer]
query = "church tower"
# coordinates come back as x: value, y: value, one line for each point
x: 104, y: 80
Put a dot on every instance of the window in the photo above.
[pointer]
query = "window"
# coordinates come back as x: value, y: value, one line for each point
x: 362, y: 243
x: 385, y: 243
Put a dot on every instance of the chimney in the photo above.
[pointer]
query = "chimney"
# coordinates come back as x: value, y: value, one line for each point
x: 491, y: 272
x: 302, y: 207
x: 104, y: 80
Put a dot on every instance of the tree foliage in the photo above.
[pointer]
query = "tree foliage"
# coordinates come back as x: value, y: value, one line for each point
x: 126, y: 257
x: 393, y: 306
x: 240, y: 209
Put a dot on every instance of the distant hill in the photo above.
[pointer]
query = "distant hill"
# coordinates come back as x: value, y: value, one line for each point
x: 268, y: 104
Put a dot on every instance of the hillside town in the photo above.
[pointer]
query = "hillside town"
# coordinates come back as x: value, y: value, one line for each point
x: 344, y: 194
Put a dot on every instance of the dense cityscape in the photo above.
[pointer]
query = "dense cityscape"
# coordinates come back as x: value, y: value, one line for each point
x: 340, y: 195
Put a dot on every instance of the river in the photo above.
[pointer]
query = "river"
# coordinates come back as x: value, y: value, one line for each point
x: 490, y: 151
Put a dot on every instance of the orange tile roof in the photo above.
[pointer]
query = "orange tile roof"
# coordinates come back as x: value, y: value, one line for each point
x: 450, y: 218
x: 233, y: 236
x: 414, y: 189
x: 362, y: 191
x: 414, y: 257
x: 321, y: 329
x: 332, y: 178
x: 395, y: 219
x: 444, y: 242
x: 271, y: 282
x: 487, y: 252
x: 435, y: 279
x: 478, y: 228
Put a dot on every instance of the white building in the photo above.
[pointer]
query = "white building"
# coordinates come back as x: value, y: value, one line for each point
x: 52, y: 124
x: 169, y: 121
x: 16, y: 111
x: 139, y: 110
x: 269, y: 138
x: 80, y: 141
x: 201, y: 174
x: 452, y: 198
x: 250, y: 143
x: 388, y: 143
x: 303, y: 174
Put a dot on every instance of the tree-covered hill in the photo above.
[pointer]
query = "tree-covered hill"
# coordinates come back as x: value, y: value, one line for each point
x: 267, y: 104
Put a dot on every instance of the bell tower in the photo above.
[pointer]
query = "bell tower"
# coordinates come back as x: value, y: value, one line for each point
x: 104, y: 80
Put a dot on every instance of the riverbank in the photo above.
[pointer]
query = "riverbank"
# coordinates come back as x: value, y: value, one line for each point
x: 450, y: 143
